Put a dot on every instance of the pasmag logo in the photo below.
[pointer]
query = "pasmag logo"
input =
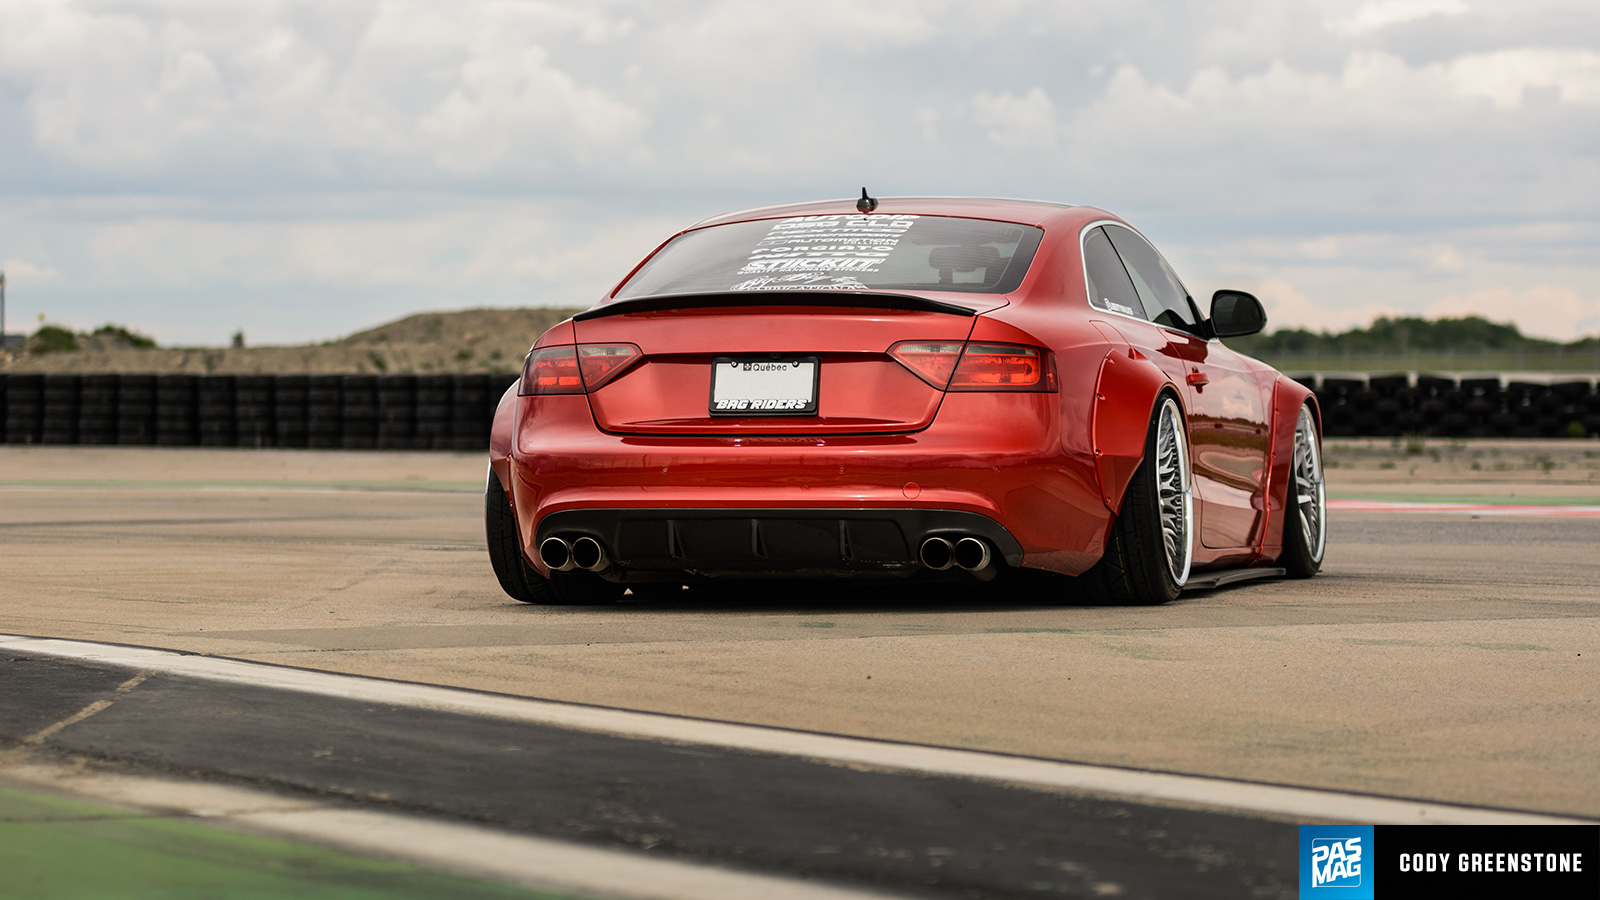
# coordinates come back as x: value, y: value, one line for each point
x: 1336, y: 862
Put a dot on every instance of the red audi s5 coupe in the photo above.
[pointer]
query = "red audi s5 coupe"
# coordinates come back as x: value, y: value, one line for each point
x: 918, y: 389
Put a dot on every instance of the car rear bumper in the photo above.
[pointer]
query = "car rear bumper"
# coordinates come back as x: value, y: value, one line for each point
x: 655, y: 544
x: 992, y: 466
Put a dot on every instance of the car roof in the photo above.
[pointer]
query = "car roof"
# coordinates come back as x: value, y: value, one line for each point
x: 1022, y: 212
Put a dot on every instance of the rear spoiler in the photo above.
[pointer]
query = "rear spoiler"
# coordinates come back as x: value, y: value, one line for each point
x: 866, y: 299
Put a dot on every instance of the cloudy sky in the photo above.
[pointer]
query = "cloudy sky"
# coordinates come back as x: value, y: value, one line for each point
x: 301, y: 169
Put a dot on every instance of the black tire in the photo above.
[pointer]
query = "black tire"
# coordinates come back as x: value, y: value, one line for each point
x: 1305, y: 507
x: 518, y: 579
x: 1139, y: 567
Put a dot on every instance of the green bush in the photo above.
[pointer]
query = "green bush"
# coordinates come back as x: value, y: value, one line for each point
x: 123, y: 335
x: 52, y: 339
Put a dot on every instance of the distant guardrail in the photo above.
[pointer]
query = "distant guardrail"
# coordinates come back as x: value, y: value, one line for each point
x: 391, y: 412
x: 454, y: 412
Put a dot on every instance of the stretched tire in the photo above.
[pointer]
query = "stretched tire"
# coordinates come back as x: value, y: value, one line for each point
x: 1151, y: 544
x: 518, y: 579
x: 1305, y: 523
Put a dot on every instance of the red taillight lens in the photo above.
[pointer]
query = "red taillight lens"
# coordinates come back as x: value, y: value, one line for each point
x: 932, y: 362
x: 573, y: 370
x: 599, y: 363
x: 978, y: 367
x: 1003, y: 367
x: 551, y: 370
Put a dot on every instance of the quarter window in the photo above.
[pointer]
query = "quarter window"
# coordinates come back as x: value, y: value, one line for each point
x: 1109, y: 286
x: 1162, y: 292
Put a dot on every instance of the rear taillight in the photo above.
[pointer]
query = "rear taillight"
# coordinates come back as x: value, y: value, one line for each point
x: 978, y: 367
x: 932, y: 362
x: 551, y: 370
x: 572, y: 370
x: 599, y: 363
x: 1004, y: 367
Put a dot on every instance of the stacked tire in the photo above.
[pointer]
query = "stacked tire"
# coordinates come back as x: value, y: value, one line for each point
x: 254, y: 424
x: 97, y: 409
x: 397, y: 412
x: 323, y: 422
x: 136, y: 409
x: 177, y: 410
x: 434, y: 393
x: 59, y: 412
x: 472, y: 395
x: 215, y: 405
x: 358, y: 410
x: 290, y: 410
x: 24, y: 408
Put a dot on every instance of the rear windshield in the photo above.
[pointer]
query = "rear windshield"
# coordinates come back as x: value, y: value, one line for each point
x: 842, y: 253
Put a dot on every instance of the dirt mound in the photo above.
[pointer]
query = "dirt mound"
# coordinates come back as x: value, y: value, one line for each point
x: 471, y: 340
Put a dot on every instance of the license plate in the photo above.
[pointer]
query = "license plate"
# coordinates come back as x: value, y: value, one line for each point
x: 764, y: 387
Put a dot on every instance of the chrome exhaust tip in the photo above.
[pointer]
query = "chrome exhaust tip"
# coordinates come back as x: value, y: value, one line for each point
x: 973, y: 554
x: 587, y: 554
x: 556, y: 553
x: 937, y: 554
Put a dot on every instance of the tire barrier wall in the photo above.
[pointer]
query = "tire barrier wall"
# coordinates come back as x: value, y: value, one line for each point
x: 390, y: 412
x: 1435, y: 406
x: 453, y: 412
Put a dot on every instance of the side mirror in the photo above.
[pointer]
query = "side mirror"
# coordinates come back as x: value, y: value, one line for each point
x: 1236, y: 314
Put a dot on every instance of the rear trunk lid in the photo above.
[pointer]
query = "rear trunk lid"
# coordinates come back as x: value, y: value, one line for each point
x: 859, y: 388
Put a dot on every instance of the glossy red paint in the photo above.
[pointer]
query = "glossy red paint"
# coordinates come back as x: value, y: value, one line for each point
x: 1049, y: 467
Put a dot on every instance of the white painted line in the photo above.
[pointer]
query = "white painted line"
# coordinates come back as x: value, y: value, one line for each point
x: 469, y: 850
x: 1475, y: 509
x: 1157, y: 787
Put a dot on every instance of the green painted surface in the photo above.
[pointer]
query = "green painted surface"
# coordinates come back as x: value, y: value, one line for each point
x: 58, y: 849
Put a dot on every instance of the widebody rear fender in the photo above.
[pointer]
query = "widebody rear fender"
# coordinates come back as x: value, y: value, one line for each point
x: 1125, y: 396
x: 500, y: 435
x: 1287, y: 398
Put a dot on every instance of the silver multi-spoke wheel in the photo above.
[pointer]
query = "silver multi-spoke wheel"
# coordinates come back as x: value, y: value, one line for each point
x: 1310, y: 495
x: 1174, y: 496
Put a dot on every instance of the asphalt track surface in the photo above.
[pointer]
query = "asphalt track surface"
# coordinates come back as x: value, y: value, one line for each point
x: 1444, y: 655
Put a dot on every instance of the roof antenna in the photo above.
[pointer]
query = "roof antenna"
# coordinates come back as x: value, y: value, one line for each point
x: 866, y: 204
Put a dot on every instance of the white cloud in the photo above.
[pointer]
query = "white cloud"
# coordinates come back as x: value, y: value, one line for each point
x: 1026, y: 122
x: 1378, y: 14
x: 280, y: 148
x: 1506, y: 77
x: 1287, y: 307
x: 403, y: 86
x: 1547, y: 311
x: 25, y: 272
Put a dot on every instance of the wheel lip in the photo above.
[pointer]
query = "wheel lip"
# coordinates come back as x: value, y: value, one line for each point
x: 1169, y: 412
x: 1307, y: 445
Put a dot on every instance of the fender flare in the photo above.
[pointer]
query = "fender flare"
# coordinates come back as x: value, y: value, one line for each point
x: 1288, y: 396
x: 1126, y: 392
x: 500, y: 437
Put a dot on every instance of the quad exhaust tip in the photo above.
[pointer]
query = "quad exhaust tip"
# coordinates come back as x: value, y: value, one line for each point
x: 562, y: 555
x: 970, y: 553
x: 557, y: 554
x: 937, y: 553
x: 587, y: 554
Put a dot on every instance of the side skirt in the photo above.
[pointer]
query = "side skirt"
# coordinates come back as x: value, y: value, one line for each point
x: 1205, y: 581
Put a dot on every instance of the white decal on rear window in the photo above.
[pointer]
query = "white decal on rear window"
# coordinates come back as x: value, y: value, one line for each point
x: 822, y: 251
